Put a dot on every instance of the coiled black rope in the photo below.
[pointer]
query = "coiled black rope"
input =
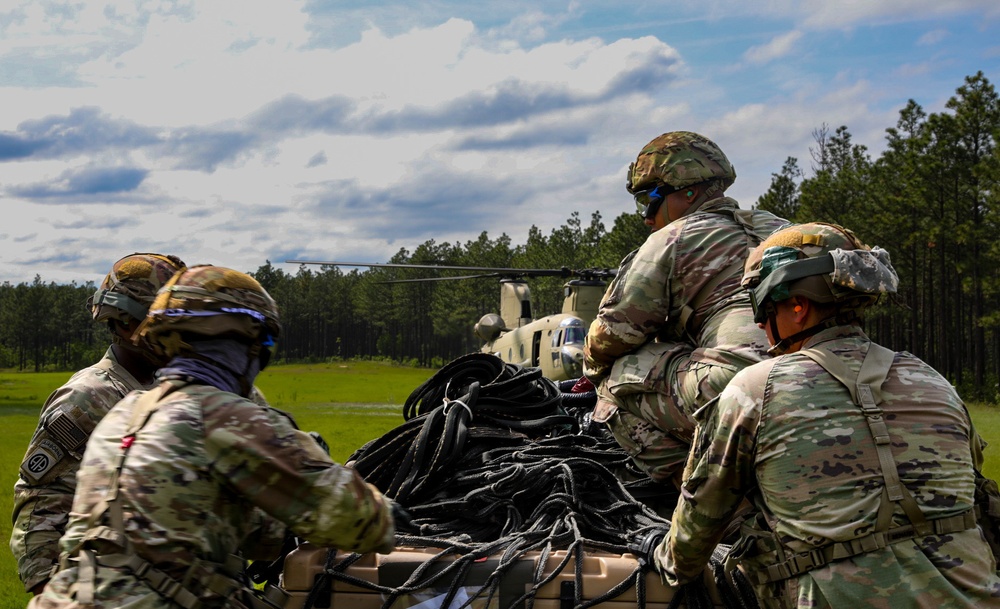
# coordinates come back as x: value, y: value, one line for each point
x: 493, y: 461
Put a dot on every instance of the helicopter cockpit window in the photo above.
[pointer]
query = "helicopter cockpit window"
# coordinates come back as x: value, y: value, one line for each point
x: 572, y: 332
x: 557, y: 339
x: 574, y: 336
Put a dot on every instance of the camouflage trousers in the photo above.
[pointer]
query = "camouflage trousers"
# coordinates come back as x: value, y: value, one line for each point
x: 649, y: 399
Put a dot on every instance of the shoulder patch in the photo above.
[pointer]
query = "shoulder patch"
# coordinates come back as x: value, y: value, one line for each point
x: 41, y: 460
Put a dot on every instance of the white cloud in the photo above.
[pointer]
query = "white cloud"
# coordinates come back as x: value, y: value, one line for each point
x: 933, y: 37
x: 824, y: 14
x: 776, y: 48
x: 235, y: 136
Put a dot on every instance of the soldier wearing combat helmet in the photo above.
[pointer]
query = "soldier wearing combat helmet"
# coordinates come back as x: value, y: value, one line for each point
x: 171, y: 474
x: 43, y: 495
x: 674, y: 325
x: 860, y: 462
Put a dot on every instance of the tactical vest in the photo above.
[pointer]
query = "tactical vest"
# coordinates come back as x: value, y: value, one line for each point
x: 765, y: 559
x: 205, y: 584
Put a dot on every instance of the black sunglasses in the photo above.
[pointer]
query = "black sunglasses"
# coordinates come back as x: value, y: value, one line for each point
x: 648, y: 202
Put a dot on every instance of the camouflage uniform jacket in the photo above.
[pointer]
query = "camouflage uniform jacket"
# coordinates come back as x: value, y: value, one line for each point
x: 194, y: 472
x: 787, y: 434
x: 42, y: 509
x: 655, y: 283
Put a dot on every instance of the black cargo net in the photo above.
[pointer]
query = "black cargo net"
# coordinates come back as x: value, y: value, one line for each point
x: 495, y: 461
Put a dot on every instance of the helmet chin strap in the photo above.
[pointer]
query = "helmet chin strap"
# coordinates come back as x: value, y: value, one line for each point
x: 782, y: 345
x: 155, y: 361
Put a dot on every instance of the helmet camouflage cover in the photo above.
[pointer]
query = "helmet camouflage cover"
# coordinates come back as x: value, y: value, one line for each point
x: 680, y: 159
x: 130, y: 287
x: 209, y: 301
x: 825, y: 263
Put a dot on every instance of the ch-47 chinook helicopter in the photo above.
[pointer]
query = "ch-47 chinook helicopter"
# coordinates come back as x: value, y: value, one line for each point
x: 553, y: 343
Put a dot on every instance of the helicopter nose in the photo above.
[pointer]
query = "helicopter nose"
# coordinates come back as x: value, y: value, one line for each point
x: 571, y: 357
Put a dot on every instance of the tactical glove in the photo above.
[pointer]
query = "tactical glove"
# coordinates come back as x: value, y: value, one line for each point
x: 401, y: 517
x: 644, y: 544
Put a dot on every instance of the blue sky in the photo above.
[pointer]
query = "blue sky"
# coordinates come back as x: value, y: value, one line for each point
x: 232, y: 133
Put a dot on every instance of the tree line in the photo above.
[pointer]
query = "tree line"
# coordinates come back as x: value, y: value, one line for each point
x: 930, y: 199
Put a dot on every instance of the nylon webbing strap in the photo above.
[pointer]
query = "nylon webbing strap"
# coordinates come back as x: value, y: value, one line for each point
x: 86, y: 578
x: 211, y: 576
x: 866, y: 392
x: 804, y: 562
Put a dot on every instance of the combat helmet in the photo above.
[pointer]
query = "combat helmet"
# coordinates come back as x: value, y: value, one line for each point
x: 825, y: 263
x: 679, y: 159
x: 130, y: 287
x: 208, y: 301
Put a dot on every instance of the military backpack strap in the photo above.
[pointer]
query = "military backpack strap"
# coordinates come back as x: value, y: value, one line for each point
x: 221, y: 579
x: 775, y: 563
x: 866, y: 393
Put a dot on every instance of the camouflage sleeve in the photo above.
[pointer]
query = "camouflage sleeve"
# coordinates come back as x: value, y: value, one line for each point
x: 635, y: 306
x: 719, y: 473
x: 283, y: 471
x: 43, y: 494
x: 266, y: 537
x: 39, y: 519
x: 977, y: 445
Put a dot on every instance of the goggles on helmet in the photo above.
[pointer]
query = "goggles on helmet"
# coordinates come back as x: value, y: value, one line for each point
x: 779, y: 267
x: 648, y: 202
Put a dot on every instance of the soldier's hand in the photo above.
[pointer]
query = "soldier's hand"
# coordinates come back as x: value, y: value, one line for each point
x: 401, y: 517
x: 644, y: 544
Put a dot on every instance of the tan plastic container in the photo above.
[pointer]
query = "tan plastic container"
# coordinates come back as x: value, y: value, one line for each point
x: 601, y: 572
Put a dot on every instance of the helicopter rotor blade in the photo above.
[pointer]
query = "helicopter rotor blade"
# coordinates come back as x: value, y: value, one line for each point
x: 492, y: 271
x: 392, y: 265
x: 454, y: 278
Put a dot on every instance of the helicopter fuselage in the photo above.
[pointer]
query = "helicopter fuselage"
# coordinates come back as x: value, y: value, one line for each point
x: 553, y: 343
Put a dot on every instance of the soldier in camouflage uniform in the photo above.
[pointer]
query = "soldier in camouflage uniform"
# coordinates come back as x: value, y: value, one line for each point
x: 170, y: 474
x: 43, y: 494
x: 674, y: 325
x: 858, y: 460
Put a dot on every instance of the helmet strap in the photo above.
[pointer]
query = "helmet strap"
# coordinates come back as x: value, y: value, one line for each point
x: 782, y: 345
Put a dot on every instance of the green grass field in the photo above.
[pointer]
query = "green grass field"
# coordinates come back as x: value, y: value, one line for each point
x: 349, y: 403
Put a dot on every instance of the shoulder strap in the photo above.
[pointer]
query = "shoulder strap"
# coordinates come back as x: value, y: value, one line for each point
x: 143, y: 408
x: 866, y: 392
x: 219, y: 581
